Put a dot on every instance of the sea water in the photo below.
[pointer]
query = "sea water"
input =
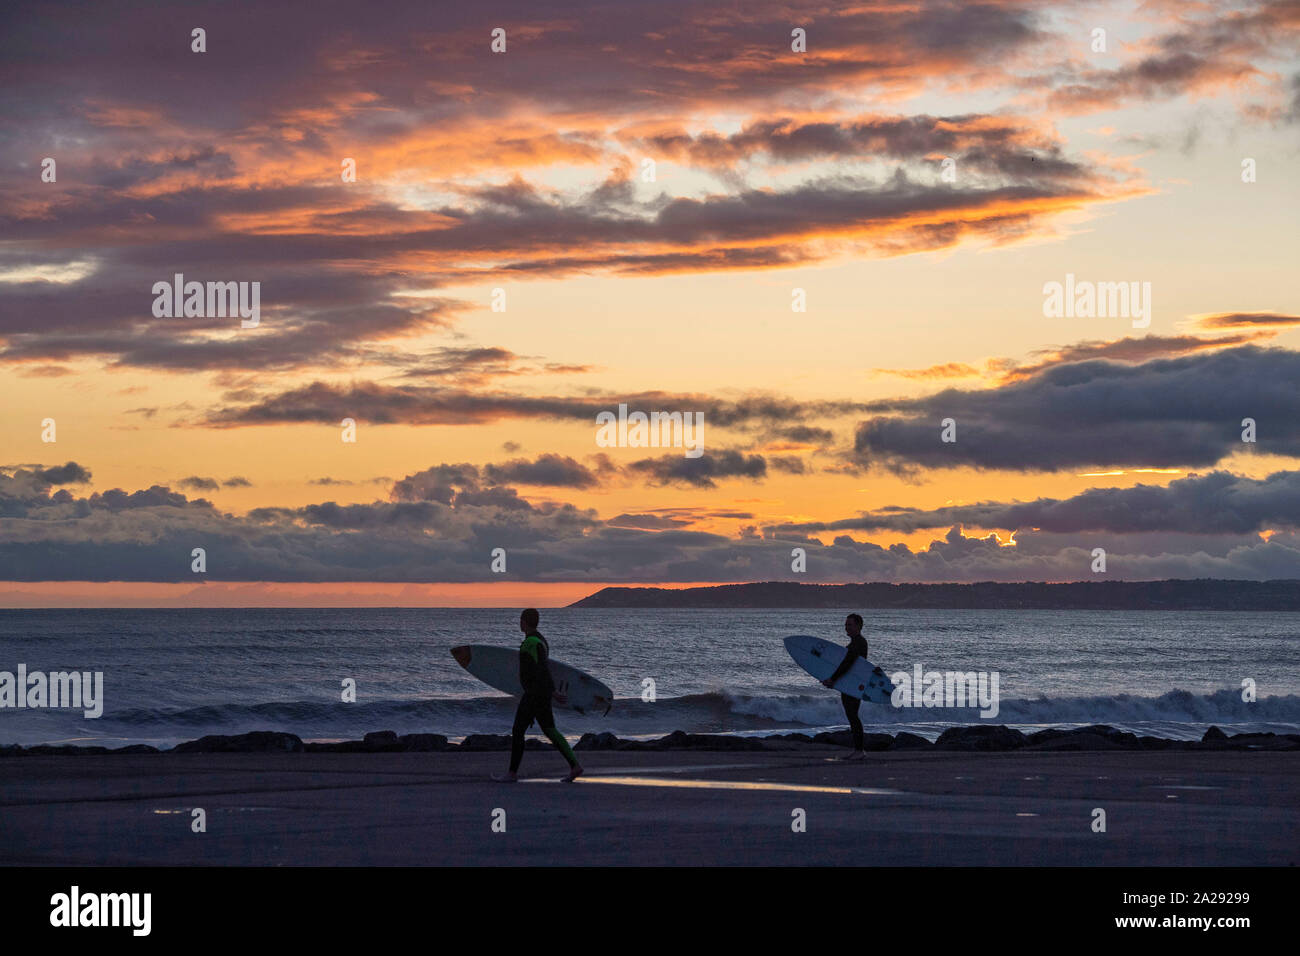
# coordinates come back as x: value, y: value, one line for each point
x: 173, y: 675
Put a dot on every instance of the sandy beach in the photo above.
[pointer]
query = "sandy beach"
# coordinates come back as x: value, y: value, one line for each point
x: 654, y: 808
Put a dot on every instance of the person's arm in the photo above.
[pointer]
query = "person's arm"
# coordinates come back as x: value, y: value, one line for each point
x: 528, y: 666
x: 850, y: 655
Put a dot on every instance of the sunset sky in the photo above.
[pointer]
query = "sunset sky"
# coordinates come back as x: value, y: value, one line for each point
x: 648, y: 184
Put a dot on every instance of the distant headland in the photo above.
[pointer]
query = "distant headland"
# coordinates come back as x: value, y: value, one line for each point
x: 1202, y: 594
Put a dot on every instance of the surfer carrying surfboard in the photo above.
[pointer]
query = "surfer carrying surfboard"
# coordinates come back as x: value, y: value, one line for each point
x: 857, y: 648
x: 535, y: 704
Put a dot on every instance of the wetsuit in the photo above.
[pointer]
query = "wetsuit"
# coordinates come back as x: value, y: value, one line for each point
x: 857, y: 648
x: 535, y: 705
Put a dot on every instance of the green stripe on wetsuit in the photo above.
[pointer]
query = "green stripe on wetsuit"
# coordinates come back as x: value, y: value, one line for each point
x: 535, y: 676
x: 562, y: 745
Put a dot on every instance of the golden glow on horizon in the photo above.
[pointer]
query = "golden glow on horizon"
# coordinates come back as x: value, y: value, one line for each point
x: 1132, y: 471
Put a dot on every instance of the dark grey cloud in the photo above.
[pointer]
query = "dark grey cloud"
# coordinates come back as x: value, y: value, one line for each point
x: 807, y: 433
x: 790, y: 464
x: 1177, y: 412
x: 1128, y: 349
x: 979, y: 143
x: 322, y: 402
x: 700, y: 472
x: 148, y: 535
x: 25, y: 485
x: 440, y: 483
x: 466, y: 483
x: 1219, y: 503
x: 164, y: 156
x: 463, y: 362
x: 558, y: 471
x: 648, y: 522
x: 111, y: 317
x: 70, y: 473
x: 1215, y: 47
x: 617, y: 59
x: 155, y: 496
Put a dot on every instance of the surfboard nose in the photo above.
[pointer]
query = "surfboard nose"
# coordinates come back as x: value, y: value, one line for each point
x: 462, y: 655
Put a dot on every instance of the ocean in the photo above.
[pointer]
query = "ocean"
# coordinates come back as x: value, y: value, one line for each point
x: 173, y: 675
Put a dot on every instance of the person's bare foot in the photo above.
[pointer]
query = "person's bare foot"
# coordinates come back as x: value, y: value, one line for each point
x: 574, y: 773
x: 856, y: 755
x: 508, y: 777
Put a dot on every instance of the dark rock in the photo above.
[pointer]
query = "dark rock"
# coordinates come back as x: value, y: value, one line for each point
x: 680, y: 740
x: 258, y: 741
x: 981, y: 737
x: 1121, y: 737
x: 381, y: 741
x: 1096, y: 737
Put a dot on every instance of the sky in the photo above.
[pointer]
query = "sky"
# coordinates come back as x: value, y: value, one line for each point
x: 828, y: 232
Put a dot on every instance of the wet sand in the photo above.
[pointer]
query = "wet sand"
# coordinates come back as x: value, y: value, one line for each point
x: 668, y: 808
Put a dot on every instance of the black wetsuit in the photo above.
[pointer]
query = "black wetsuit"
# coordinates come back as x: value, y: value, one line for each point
x: 535, y: 704
x: 857, y: 648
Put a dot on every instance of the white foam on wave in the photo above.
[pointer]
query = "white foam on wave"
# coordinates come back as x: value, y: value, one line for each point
x: 1180, y: 713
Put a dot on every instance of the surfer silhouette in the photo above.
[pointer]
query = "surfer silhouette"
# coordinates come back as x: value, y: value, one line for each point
x: 857, y: 648
x: 535, y: 704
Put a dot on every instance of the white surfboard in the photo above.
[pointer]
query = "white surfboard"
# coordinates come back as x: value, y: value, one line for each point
x: 499, y: 667
x: 820, y: 658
